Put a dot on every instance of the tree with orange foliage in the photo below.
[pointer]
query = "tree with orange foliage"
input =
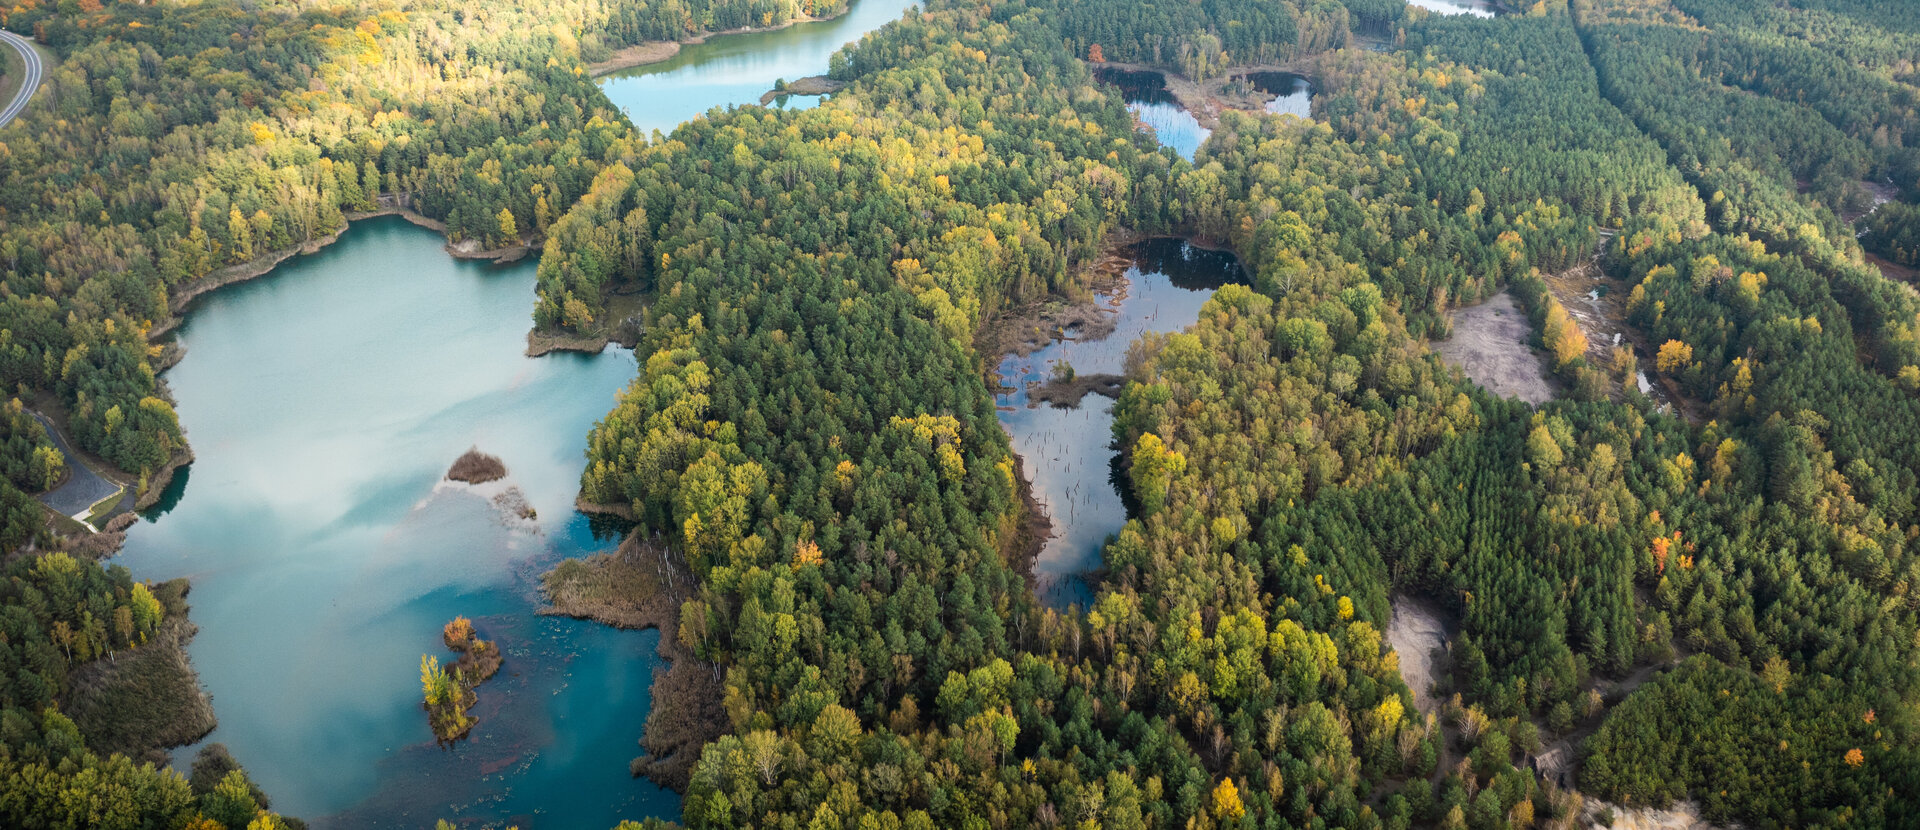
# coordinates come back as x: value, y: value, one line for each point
x: 1094, y: 55
x: 458, y: 634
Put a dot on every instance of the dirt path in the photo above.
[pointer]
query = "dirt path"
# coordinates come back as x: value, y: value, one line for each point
x: 1489, y: 343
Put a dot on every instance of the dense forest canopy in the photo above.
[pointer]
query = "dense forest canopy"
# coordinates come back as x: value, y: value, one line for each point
x: 1718, y: 600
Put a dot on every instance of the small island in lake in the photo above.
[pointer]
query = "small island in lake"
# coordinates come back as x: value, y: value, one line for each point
x: 449, y: 689
x: 476, y: 467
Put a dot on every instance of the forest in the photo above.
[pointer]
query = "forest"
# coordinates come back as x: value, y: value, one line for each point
x: 1717, y: 600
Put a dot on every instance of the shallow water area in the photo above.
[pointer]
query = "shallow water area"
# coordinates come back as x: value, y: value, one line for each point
x: 1293, y: 93
x: 1068, y: 454
x: 1147, y: 96
x: 735, y: 70
x: 325, y: 402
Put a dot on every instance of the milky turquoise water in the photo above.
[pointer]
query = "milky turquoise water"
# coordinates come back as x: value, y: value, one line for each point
x: 324, y: 403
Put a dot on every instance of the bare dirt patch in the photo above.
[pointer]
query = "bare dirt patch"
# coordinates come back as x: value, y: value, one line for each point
x: 642, y: 585
x: 1489, y: 343
x: 639, y: 54
x: 1682, y: 815
x: 1894, y: 270
x: 1418, y: 633
x: 1598, y: 304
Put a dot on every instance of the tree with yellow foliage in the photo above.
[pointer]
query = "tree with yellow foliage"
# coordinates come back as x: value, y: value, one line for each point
x: 1674, y: 356
x: 1226, y: 801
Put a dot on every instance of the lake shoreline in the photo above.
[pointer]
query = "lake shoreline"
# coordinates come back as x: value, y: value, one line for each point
x: 641, y: 585
x: 147, y: 700
x: 650, y: 52
x: 179, y: 304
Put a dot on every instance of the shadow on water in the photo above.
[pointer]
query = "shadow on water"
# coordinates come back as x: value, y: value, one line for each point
x: 169, y: 497
x: 1068, y: 453
x: 735, y: 70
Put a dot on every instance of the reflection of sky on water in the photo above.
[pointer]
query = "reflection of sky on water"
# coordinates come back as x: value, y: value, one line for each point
x: 325, y: 403
x: 1068, y: 454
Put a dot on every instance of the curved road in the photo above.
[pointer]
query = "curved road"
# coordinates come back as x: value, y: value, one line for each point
x: 83, y: 488
x: 35, y: 69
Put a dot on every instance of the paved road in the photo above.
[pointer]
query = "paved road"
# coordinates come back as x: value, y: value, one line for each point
x: 35, y: 69
x: 83, y: 488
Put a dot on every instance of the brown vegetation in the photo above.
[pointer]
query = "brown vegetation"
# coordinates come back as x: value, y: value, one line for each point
x: 141, y: 701
x: 477, y: 467
x: 810, y: 85
x: 1067, y: 393
x: 642, y: 585
x: 620, y: 325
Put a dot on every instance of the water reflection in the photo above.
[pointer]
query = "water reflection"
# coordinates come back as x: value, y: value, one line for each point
x: 1068, y: 454
x: 1294, y: 94
x: 735, y: 70
x: 1476, y: 8
x: 1147, y: 96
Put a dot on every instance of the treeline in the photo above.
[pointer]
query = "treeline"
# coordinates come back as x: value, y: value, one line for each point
x: 812, y: 428
x: 1772, y: 539
x: 823, y: 450
x: 1204, y: 40
x: 620, y: 24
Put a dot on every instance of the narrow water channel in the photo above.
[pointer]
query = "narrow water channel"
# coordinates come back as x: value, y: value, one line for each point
x: 1068, y: 454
